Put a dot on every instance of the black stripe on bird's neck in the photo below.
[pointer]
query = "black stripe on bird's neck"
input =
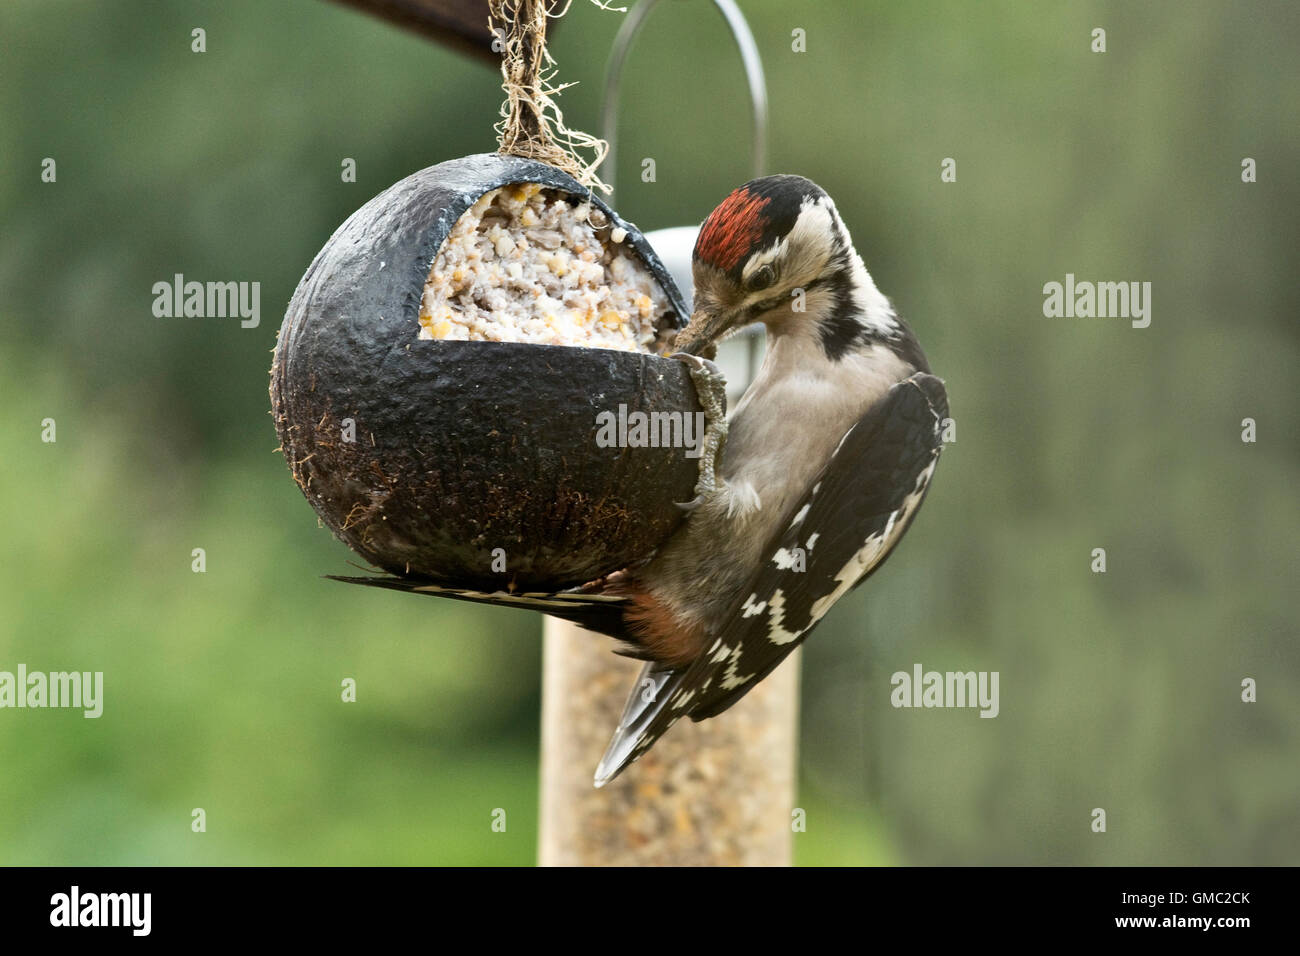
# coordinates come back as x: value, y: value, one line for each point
x: 843, y: 328
x: 840, y: 328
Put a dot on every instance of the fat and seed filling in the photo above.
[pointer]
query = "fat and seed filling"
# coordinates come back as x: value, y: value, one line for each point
x: 531, y: 264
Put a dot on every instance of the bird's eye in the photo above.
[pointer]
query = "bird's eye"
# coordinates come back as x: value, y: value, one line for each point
x: 762, y: 278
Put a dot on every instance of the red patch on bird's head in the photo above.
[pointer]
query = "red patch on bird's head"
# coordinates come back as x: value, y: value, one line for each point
x: 732, y: 229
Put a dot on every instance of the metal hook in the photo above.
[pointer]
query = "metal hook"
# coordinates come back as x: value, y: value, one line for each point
x: 744, y: 38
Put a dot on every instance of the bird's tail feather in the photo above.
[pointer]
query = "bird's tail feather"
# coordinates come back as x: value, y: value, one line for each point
x: 602, y: 613
x: 654, y: 688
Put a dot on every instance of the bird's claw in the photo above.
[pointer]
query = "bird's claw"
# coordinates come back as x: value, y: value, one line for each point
x: 711, y: 391
x: 691, y: 360
x: 710, y: 384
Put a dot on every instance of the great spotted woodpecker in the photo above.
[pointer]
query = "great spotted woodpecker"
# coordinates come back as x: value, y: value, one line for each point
x: 802, y: 494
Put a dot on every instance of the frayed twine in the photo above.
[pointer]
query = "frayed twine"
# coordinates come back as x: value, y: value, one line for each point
x: 532, y: 124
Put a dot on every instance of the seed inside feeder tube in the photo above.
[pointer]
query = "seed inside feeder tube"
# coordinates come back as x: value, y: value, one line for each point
x: 527, y: 263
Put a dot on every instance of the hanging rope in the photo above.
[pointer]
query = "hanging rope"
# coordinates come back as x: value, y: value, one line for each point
x: 532, y: 124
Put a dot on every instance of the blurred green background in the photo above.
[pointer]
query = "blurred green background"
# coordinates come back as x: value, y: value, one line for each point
x: 1118, y: 690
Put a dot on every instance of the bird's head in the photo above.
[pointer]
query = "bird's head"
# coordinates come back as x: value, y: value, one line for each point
x: 765, y: 244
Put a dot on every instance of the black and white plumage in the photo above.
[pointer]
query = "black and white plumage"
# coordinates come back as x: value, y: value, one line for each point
x: 850, y: 521
x: 803, y: 492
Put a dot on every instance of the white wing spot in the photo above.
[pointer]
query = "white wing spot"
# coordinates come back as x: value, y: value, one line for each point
x: 784, y: 559
x: 776, y: 632
x: 730, y: 679
x: 874, y: 548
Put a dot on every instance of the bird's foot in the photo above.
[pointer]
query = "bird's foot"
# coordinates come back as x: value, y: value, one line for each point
x: 711, y: 391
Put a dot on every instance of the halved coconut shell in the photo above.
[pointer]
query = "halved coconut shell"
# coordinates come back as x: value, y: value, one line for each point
x: 462, y: 448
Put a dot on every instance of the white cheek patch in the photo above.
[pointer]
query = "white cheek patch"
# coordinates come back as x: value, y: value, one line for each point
x: 764, y: 257
x: 801, y: 254
x: 810, y: 243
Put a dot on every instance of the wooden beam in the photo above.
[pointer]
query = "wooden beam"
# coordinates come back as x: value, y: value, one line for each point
x: 716, y: 793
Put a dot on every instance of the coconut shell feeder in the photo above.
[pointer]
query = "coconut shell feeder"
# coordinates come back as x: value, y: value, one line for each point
x: 459, y: 448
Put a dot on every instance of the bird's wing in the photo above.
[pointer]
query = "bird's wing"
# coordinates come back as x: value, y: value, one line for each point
x: 848, y: 523
x: 585, y: 606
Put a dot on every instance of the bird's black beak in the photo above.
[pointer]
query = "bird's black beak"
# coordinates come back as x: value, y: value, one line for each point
x: 701, y: 334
